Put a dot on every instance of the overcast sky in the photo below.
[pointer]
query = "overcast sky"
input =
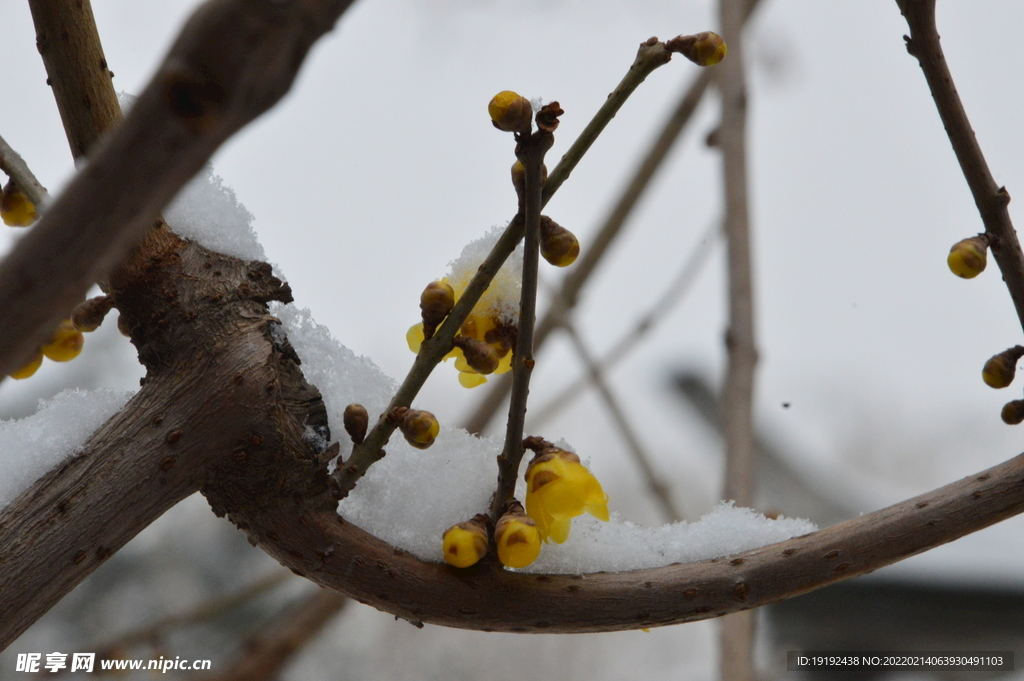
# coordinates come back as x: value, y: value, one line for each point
x: 381, y: 164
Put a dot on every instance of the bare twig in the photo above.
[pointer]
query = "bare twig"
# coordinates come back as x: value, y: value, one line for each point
x: 204, y: 612
x: 647, y: 322
x: 267, y: 652
x: 233, y: 60
x: 659, y: 490
x: 433, y: 350
x: 16, y: 168
x: 531, y: 155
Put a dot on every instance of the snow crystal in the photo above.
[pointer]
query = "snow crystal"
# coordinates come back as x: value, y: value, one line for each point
x: 410, y: 497
x: 502, y: 296
x: 31, y: 446
x: 206, y: 211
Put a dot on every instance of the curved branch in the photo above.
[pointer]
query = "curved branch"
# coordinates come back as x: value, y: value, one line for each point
x: 325, y: 548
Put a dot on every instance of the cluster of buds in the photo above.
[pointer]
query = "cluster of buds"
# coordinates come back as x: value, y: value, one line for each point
x: 484, y: 343
x: 559, y: 488
x: 418, y: 427
x: 15, y: 207
x: 68, y: 339
x: 516, y: 538
x: 968, y: 257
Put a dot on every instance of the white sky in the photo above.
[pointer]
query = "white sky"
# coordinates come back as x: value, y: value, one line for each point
x: 382, y: 164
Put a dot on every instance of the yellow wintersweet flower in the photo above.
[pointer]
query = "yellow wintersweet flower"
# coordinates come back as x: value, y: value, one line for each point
x: 16, y: 209
x: 559, y: 488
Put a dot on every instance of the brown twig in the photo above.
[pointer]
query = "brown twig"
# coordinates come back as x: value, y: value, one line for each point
x: 267, y: 651
x: 991, y: 199
x: 347, y: 473
x: 736, y: 637
x: 659, y: 490
x: 647, y: 322
x: 531, y: 154
x: 208, y: 610
x: 16, y: 168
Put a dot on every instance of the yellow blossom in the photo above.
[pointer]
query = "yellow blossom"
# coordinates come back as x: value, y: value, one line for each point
x: 559, y: 488
x: 66, y: 344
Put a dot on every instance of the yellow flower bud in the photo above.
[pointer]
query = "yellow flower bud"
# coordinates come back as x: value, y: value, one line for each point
x: 66, y: 343
x: 419, y: 427
x: 16, y: 209
x: 30, y: 368
x: 559, y: 488
x: 703, y: 49
x: 436, y: 301
x: 356, y: 421
x: 558, y: 245
x: 510, y: 112
x: 479, y: 356
x: 1013, y: 412
x: 466, y: 543
x: 1000, y: 369
x: 517, y: 538
x: 967, y: 258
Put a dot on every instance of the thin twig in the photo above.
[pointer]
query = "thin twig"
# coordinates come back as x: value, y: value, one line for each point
x: 204, y: 612
x: 267, y: 651
x: 16, y: 168
x: 433, y: 350
x: 736, y: 637
x: 648, y: 322
x: 532, y: 157
x: 659, y: 490
x: 990, y: 198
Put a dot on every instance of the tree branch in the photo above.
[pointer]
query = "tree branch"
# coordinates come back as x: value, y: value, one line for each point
x: 990, y: 199
x: 338, y: 555
x: 16, y: 168
x: 233, y: 61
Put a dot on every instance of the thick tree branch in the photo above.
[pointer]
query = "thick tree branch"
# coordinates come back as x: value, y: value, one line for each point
x: 336, y: 554
x: 990, y: 198
x: 233, y: 61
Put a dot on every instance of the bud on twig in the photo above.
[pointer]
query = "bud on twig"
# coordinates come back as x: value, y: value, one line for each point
x: 1000, y: 369
x: 466, y: 543
x: 419, y: 427
x: 967, y: 258
x: 15, y: 207
x: 1013, y: 412
x: 703, y: 49
x: 436, y: 301
x: 66, y: 343
x: 558, y: 245
x: 517, y: 537
x: 480, y: 356
x: 89, y: 314
x: 356, y: 421
x: 510, y: 112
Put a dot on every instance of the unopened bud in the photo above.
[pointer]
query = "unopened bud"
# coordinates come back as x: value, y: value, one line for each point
x: 502, y: 338
x: 1000, y: 369
x: 30, y: 368
x: 419, y: 427
x: 15, y: 207
x: 517, y: 537
x: 558, y: 245
x: 479, y: 355
x: 436, y: 301
x: 1013, y: 412
x: 510, y: 112
x: 519, y: 178
x: 356, y: 421
x: 88, y: 315
x: 122, y: 326
x: 466, y: 543
x: 66, y: 343
x: 967, y: 258
x: 703, y: 49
